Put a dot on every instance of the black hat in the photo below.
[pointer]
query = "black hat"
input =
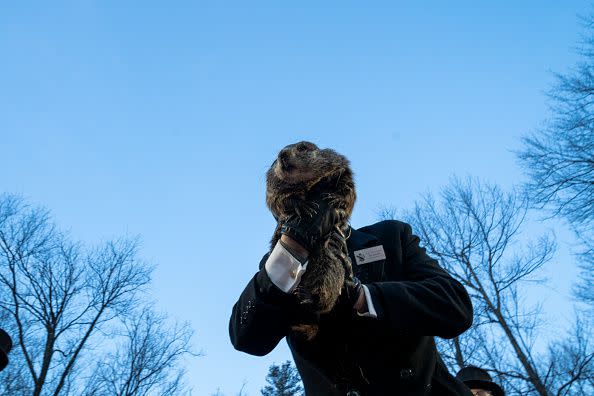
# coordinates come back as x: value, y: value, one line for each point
x: 477, y: 378
x: 5, y: 347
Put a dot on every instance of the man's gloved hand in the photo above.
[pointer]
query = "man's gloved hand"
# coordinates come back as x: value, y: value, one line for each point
x: 351, y: 299
x: 350, y: 293
x: 312, y: 226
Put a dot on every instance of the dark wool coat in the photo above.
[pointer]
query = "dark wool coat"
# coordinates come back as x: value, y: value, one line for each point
x: 393, y: 354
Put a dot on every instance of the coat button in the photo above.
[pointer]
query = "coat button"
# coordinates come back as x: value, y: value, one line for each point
x: 406, y: 374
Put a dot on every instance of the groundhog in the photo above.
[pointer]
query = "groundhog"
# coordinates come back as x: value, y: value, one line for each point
x: 302, y: 174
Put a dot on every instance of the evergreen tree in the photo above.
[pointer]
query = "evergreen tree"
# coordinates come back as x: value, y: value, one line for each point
x: 283, y: 380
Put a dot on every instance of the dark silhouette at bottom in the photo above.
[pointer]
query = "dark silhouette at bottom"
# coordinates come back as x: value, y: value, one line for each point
x: 5, y: 347
x: 479, y: 381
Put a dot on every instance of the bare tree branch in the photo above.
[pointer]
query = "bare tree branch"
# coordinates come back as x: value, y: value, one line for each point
x: 60, y: 299
x: 559, y: 158
x: 474, y: 229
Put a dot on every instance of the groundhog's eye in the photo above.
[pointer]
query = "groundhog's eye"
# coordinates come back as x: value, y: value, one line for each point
x: 302, y: 147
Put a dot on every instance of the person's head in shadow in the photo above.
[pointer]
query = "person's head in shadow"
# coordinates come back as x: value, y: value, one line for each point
x: 479, y: 381
x: 5, y: 347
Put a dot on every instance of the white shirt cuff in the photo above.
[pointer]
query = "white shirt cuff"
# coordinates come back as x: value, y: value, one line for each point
x: 283, y: 269
x: 370, y: 308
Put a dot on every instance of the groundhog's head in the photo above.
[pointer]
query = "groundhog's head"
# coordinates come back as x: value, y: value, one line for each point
x: 302, y: 172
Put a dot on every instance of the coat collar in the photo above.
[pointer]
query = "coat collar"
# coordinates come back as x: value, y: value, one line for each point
x: 359, y: 240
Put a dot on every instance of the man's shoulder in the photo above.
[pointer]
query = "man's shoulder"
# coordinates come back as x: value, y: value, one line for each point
x: 386, y: 227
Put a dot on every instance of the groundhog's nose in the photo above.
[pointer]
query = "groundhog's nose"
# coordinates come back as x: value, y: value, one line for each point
x: 283, y: 155
x: 283, y: 159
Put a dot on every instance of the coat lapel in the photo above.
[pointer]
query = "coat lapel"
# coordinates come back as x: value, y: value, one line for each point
x: 369, y: 272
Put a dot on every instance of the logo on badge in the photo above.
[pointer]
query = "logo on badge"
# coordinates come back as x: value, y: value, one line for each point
x: 369, y: 255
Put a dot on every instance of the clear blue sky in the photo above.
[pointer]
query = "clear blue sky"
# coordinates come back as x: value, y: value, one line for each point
x: 161, y: 118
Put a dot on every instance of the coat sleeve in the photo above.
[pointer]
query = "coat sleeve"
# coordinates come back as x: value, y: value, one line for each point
x: 262, y: 316
x: 428, y: 301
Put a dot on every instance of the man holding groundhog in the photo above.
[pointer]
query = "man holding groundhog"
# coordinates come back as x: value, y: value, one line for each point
x: 359, y: 308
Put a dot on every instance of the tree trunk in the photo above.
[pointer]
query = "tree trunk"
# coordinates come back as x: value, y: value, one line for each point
x: 459, y: 356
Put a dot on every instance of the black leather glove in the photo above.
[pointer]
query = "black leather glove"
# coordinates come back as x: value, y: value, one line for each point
x: 312, y: 226
x: 351, y: 291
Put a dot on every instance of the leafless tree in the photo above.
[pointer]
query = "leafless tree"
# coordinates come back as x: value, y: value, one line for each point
x: 146, y: 360
x: 474, y: 230
x: 559, y: 157
x: 584, y: 290
x: 570, y: 369
x: 12, y: 378
x: 241, y: 392
x: 61, y: 301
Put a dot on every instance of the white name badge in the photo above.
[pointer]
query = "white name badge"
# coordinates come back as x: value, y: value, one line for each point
x: 369, y: 255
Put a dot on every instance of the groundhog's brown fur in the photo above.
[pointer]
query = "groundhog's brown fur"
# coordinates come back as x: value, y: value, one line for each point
x: 303, y: 173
